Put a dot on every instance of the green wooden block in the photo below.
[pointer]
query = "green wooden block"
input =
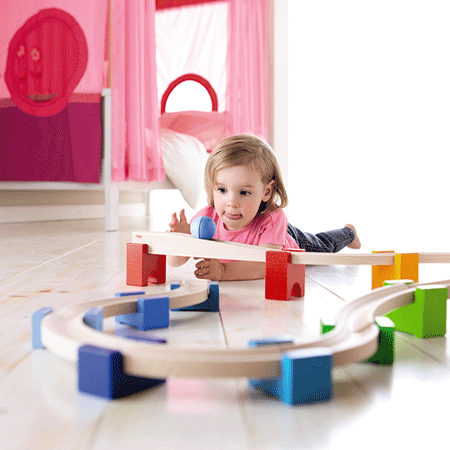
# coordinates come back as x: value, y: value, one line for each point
x: 435, y: 312
x: 427, y: 316
x: 395, y: 282
x: 385, y: 353
x: 326, y: 326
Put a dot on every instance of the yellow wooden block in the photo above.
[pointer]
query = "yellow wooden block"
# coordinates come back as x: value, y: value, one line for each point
x: 382, y: 273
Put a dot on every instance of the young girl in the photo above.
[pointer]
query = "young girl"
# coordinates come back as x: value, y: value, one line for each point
x: 246, y: 197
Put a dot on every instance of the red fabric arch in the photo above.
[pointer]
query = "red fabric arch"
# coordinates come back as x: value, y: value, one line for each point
x: 166, y: 4
x: 190, y: 77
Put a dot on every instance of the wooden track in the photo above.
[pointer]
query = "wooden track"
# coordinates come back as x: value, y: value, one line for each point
x: 179, y: 244
x: 354, y: 338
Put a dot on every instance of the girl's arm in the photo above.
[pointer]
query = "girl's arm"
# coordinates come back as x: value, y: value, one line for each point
x: 213, y: 269
x: 180, y: 225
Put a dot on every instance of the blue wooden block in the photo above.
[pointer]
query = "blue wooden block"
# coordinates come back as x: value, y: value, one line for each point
x: 36, y: 319
x: 94, y: 318
x: 269, y: 385
x: 128, y: 294
x: 152, y: 313
x: 306, y: 377
x: 100, y: 373
x: 135, y: 335
x: 211, y: 304
x: 278, y: 340
x: 175, y: 285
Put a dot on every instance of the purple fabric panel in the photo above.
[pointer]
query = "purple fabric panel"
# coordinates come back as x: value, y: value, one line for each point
x: 63, y: 147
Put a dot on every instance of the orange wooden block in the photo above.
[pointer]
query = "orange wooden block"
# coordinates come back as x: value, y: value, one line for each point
x: 382, y: 273
x: 143, y: 268
x: 406, y: 266
x: 284, y: 280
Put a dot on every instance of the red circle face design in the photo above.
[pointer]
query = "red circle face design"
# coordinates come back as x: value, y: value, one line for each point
x: 47, y: 57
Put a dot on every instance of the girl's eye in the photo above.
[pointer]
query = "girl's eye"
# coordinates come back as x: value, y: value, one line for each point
x: 245, y: 193
x: 221, y: 190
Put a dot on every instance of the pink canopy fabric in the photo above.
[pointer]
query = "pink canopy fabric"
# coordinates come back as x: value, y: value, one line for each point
x: 248, y: 74
x: 134, y: 93
x: 131, y: 33
x: 135, y: 90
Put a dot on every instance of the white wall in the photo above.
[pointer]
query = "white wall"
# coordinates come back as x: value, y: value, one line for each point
x: 42, y: 205
x: 369, y: 116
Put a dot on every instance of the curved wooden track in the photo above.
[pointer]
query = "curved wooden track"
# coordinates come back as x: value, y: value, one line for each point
x: 354, y: 338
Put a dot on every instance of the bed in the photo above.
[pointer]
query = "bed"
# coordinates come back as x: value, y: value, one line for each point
x: 74, y: 134
x: 184, y: 151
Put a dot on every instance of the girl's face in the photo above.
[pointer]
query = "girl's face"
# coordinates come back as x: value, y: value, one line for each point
x: 238, y: 193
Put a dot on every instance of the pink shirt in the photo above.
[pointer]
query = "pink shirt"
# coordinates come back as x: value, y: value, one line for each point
x: 270, y: 228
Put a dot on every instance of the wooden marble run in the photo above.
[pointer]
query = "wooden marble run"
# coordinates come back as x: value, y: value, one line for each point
x: 285, y: 275
x: 113, y: 366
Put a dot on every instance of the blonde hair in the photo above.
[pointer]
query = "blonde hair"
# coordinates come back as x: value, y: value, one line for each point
x: 249, y: 151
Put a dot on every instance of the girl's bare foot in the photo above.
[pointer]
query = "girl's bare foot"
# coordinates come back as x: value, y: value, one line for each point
x: 356, y: 243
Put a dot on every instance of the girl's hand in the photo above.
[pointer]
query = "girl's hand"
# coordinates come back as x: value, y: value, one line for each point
x: 210, y: 269
x: 180, y: 225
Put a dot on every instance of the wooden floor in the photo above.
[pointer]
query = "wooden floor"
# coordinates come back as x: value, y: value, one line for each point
x: 61, y: 263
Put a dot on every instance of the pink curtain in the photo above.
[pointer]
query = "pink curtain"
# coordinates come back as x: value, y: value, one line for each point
x: 248, y: 74
x: 134, y: 86
x: 134, y: 92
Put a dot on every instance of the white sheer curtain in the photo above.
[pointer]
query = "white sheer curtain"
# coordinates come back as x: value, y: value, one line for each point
x: 193, y: 39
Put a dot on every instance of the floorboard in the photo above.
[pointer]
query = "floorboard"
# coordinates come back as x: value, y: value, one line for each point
x: 69, y: 262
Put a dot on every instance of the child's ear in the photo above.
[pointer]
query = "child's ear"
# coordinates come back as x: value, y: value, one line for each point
x: 268, y: 191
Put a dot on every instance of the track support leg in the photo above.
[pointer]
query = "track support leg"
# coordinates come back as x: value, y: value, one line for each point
x: 406, y: 265
x: 143, y: 268
x: 306, y: 375
x: 284, y: 281
x: 427, y: 316
x: 100, y: 373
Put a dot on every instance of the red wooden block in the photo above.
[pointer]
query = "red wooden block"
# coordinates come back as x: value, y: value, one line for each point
x: 284, y: 280
x: 143, y: 268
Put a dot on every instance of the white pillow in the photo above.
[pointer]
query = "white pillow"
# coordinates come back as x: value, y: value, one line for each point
x: 184, y: 160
